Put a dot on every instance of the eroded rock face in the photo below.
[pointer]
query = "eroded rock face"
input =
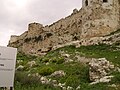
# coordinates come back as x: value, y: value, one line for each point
x: 99, y: 69
x: 94, y: 19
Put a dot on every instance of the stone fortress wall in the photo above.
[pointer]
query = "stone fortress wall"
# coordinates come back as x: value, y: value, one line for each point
x: 100, y: 17
x: 96, y: 18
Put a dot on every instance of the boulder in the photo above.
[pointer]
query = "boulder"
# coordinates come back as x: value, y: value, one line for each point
x: 59, y: 73
x: 31, y: 63
x: 20, y: 67
x: 99, y: 69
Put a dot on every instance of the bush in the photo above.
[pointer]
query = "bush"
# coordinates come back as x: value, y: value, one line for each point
x: 73, y: 81
x: 116, y: 78
x: 46, y: 70
x: 58, y: 60
x: 24, y: 79
x: 45, y: 60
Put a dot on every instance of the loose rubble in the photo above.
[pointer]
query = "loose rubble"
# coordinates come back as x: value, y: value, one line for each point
x: 99, y: 70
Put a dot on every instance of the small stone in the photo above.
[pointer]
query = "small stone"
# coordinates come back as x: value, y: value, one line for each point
x: 47, y: 63
x: 106, y: 79
x: 59, y: 73
x: 54, y: 81
x: 69, y: 88
x: 31, y: 63
x: 118, y: 69
x: 78, y: 88
x: 20, y: 67
x: 63, y: 88
x: 29, y: 75
x: 65, y: 55
x: 113, y: 85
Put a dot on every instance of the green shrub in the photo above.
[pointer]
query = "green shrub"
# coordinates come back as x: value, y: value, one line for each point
x: 73, y: 81
x: 46, y: 70
x: 60, y: 60
x: 34, y: 86
x: 54, y: 60
x: 45, y: 60
x: 116, y: 78
x: 25, y: 79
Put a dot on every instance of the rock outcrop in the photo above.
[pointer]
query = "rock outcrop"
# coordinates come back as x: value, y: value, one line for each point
x: 99, y: 70
x: 58, y: 74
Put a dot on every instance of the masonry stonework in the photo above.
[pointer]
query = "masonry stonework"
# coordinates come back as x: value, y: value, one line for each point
x: 96, y: 18
x: 100, y: 17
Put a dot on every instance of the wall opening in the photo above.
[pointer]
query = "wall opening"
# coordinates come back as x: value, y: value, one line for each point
x: 86, y: 3
x: 105, y: 1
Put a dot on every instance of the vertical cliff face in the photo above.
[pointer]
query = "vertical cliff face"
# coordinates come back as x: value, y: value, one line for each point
x: 96, y: 18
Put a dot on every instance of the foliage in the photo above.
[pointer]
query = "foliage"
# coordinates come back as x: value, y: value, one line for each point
x: 58, y: 60
x: 25, y: 79
x: 77, y: 73
x: 34, y: 86
x: 46, y: 70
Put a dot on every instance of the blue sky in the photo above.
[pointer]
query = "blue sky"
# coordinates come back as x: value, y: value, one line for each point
x: 15, y: 15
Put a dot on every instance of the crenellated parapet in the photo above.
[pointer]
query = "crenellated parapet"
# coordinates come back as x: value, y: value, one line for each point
x: 100, y: 17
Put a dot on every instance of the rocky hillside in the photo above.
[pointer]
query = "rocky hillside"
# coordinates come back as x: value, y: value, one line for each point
x: 79, y: 52
x: 112, y: 38
x: 94, y: 67
x: 39, y: 39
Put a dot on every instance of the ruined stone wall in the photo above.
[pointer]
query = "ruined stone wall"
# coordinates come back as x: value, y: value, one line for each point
x: 34, y: 29
x: 99, y: 18
x: 13, y: 38
x: 39, y: 39
x: 96, y: 18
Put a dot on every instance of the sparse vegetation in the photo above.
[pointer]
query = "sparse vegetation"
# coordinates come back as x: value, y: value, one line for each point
x: 46, y: 70
x: 77, y: 73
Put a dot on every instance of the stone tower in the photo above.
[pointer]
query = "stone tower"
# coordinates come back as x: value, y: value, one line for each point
x: 100, y: 17
x: 34, y: 29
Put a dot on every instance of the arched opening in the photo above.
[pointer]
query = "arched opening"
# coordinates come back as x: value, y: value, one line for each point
x: 86, y: 3
x: 105, y: 1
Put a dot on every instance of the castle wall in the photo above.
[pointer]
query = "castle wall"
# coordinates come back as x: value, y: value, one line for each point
x: 100, y: 18
x: 13, y: 38
x: 41, y: 39
x: 34, y: 29
x: 94, y: 19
